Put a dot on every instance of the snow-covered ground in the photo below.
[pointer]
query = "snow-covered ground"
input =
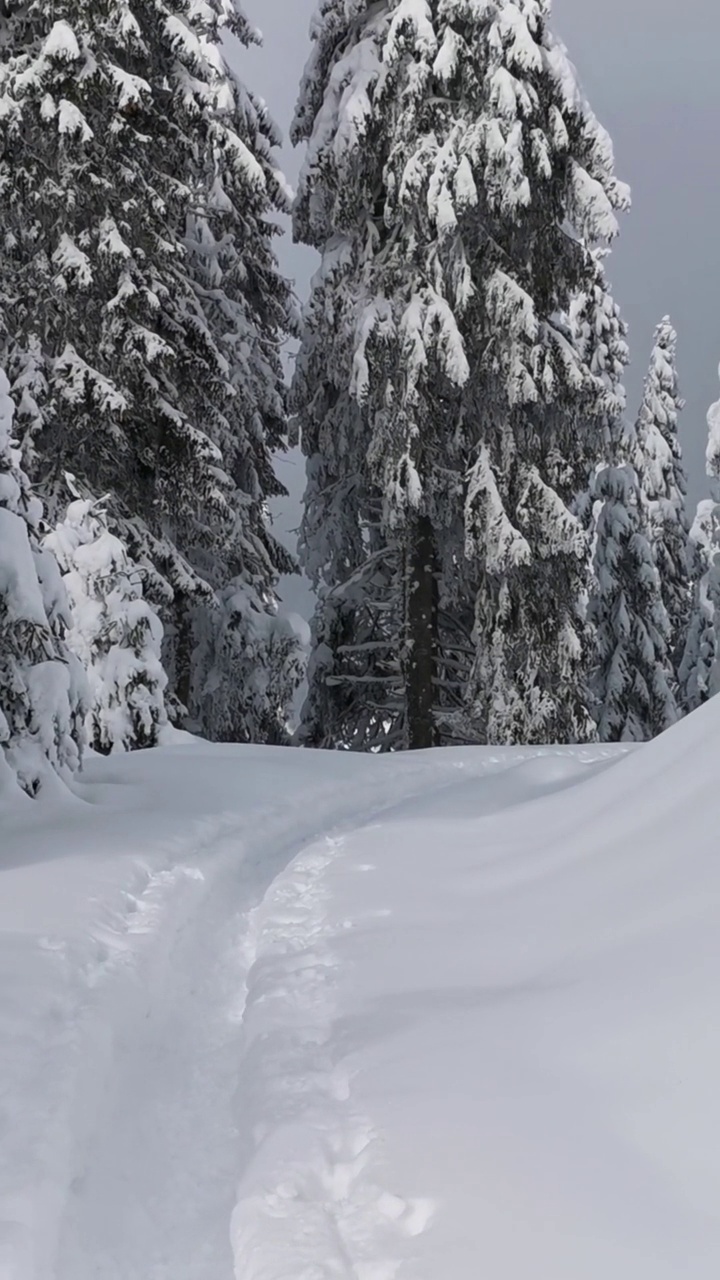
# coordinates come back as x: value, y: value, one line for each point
x: 283, y: 1015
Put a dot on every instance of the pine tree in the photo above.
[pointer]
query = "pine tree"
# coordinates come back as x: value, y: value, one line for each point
x: 663, y: 484
x: 41, y: 683
x: 457, y: 186
x: 136, y: 191
x: 633, y: 681
x: 114, y: 632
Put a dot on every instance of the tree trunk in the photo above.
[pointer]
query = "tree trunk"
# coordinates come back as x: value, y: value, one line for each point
x: 420, y: 641
x: 183, y: 654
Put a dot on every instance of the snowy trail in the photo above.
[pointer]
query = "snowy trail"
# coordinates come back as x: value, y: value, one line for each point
x: 314, y: 1202
x: 153, y: 1192
x: 174, y: 1071
x: 271, y: 1015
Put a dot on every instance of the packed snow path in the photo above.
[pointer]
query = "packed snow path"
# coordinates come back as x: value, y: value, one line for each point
x: 182, y: 1092
x: 134, y: 931
x: 275, y: 1015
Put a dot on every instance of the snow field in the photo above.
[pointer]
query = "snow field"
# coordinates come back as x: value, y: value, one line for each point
x: 123, y: 952
x: 288, y: 1015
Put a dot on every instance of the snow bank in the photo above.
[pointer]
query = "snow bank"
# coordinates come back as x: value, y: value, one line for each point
x: 287, y: 1015
x: 490, y: 1046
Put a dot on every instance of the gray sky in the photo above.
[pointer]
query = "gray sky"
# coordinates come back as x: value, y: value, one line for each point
x: 649, y: 68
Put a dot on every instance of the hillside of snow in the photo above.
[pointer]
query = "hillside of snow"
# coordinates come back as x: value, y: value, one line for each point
x: 285, y: 1015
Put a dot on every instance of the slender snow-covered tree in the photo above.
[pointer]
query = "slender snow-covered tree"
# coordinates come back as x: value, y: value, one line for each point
x: 42, y: 687
x: 697, y: 673
x: 663, y: 484
x: 114, y: 632
x: 633, y: 684
x: 458, y: 188
x: 249, y: 306
x: 137, y: 187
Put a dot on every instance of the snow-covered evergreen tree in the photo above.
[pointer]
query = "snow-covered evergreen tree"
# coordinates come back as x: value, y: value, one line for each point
x: 633, y: 684
x: 252, y: 666
x: 42, y: 688
x: 697, y: 673
x: 663, y: 484
x: 136, y: 188
x: 700, y: 667
x: 457, y: 186
x: 114, y: 632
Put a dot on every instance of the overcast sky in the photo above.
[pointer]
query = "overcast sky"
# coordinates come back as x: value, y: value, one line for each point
x: 649, y: 68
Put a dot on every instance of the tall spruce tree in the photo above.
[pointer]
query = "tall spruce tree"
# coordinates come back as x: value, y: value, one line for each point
x: 457, y: 186
x: 663, y: 484
x: 697, y: 673
x: 633, y: 683
x: 137, y: 186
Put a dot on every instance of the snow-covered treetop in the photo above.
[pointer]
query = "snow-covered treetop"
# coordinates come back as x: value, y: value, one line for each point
x: 701, y: 531
x: 454, y: 140
x: 658, y: 458
x: 633, y: 680
x: 712, y: 455
x: 600, y: 333
x: 364, y: 51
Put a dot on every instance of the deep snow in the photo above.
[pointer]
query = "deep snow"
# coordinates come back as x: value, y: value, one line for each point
x: 286, y: 1015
